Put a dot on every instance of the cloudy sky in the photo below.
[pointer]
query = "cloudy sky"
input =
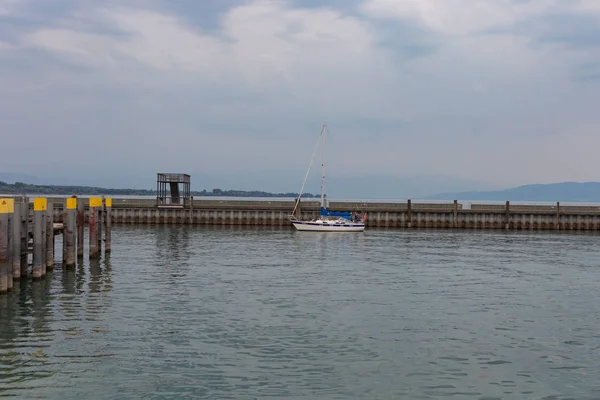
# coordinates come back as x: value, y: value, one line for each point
x: 498, y: 92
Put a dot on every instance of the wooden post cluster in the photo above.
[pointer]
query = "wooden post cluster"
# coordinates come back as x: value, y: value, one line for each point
x: 14, y: 235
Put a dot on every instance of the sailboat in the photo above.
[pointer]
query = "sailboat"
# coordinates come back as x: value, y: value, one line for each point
x: 328, y: 221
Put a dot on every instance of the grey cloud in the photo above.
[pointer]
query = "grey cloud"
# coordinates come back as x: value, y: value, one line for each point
x: 411, y: 103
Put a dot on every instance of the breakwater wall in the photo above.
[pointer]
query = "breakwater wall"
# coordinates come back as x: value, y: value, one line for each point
x: 402, y: 215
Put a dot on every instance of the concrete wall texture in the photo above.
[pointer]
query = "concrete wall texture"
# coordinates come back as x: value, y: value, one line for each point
x: 379, y: 215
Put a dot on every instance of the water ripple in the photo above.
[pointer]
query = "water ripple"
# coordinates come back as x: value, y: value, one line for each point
x: 246, y: 313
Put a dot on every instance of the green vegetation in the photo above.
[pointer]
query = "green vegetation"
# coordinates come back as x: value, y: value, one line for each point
x: 23, y: 188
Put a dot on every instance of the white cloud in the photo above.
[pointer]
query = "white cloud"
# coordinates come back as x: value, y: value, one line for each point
x: 465, y: 17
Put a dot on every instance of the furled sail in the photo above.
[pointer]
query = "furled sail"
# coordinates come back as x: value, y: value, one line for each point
x: 327, y: 213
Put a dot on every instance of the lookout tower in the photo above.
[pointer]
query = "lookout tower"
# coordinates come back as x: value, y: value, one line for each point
x: 172, y: 190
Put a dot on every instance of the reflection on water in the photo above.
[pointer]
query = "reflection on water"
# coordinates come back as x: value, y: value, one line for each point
x: 47, y: 326
x: 230, y: 312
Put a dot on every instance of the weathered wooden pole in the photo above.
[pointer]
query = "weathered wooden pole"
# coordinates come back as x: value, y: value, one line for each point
x: 507, y: 215
x: 49, y: 243
x: 39, y: 205
x: 69, y: 231
x: 80, y: 228
x: 44, y: 243
x: 558, y: 215
x: 108, y: 225
x: 100, y: 223
x: 409, y: 213
x: 6, y: 210
x: 24, y: 236
x: 455, y: 214
x: 95, y: 203
x: 16, y: 242
x: 9, y: 272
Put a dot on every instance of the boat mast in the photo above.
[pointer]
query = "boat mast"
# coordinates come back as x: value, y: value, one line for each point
x: 307, y: 172
x: 323, y: 166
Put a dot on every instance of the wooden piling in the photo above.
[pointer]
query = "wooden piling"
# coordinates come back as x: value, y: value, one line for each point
x: 507, y: 215
x: 69, y: 232
x: 49, y: 235
x: 9, y: 272
x: 107, y: 225
x: 95, y: 203
x: 558, y: 215
x: 16, y: 242
x: 6, y: 210
x: 80, y: 228
x: 409, y: 213
x: 99, y: 221
x: 39, y: 206
x: 455, y: 214
x: 24, y: 236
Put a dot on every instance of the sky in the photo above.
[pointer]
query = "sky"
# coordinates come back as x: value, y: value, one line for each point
x: 463, y: 93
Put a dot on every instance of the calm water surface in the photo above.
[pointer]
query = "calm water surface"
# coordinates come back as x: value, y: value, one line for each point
x: 231, y: 313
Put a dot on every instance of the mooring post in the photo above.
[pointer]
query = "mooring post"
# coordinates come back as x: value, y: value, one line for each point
x: 191, y: 210
x: 558, y: 215
x: 507, y: 215
x: 49, y: 242
x: 24, y: 236
x: 44, y: 241
x: 16, y: 242
x: 99, y: 219
x: 69, y: 231
x: 7, y: 207
x: 409, y: 213
x: 80, y: 228
x: 95, y: 202
x: 455, y: 214
x: 9, y: 272
x: 39, y: 205
x: 108, y: 225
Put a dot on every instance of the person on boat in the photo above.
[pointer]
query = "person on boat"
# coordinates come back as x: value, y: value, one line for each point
x: 355, y: 216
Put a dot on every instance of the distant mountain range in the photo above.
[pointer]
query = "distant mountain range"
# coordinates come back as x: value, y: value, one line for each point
x: 367, y: 187
x: 578, y: 192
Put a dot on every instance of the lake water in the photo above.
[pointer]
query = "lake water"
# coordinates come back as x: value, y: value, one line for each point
x: 255, y: 313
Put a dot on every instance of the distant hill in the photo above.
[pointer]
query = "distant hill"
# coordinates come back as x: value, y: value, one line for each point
x: 18, y: 188
x: 584, y: 192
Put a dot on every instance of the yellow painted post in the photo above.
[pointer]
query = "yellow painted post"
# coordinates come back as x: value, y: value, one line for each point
x: 69, y: 231
x: 7, y: 208
x: 95, y: 203
x: 108, y: 225
x: 49, y: 237
x: 39, y: 207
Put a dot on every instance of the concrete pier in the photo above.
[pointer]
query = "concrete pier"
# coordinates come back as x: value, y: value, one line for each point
x: 400, y: 215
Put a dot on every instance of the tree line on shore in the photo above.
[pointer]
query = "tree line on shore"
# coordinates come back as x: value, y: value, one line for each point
x: 18, y: 188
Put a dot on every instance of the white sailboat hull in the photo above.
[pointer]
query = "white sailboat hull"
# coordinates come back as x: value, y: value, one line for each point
x: 324, y: 226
